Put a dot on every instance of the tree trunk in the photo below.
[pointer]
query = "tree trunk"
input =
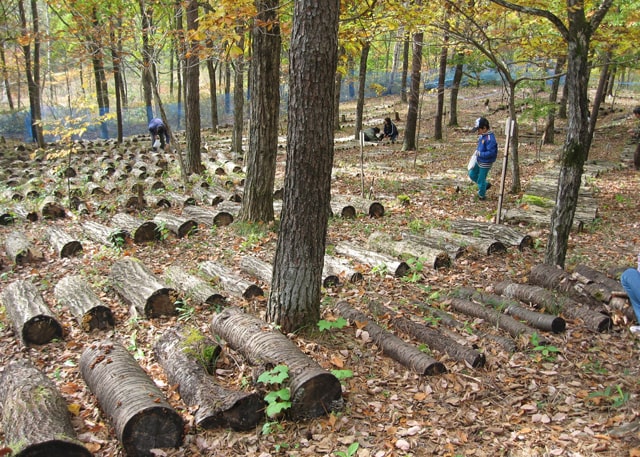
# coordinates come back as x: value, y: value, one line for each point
x: 148, y: 65
x: 362, y: 84
x: 96, y: 51
x: 63, y: 244
x: 294, y: 301
x: 192, y: 95
x: 141, y: 231
x: 206, y: 217
x: 455, y: 90
x: 411, y: 125
x: 213, y: 95
x: 238, y: 100
x: 549, y: 129
x: 442, y: 75
x: 542, y: 321
x: 433, y: 258
x: 141, y: 290
x: 257, y: 204
x: 314, y: 391
x: 35, y: 417
x: 405, y: 69
x: 118, y: 81
x: 507, y: 235
x: 196, y: 289
x: 217, y: 406
x: 140, y: 414
x: 543, y: 299
x: 30, y: 316
x: 75, y: 293
x: 231, y: 282
x: 374, y: 259
x: 432, y: 337
x: 392, y: 346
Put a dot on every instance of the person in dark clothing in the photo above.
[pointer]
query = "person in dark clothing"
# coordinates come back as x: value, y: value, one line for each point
x: 389, y: 130
x: 158, y: 132
x: 486, y: 153
x: 371, y: 134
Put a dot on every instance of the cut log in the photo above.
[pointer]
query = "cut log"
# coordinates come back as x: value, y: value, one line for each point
x: 158, y: 201
x: 35, y: 417
x: 20, y: 250
x: 179, y: 226
x: 141, y: 231
x: 25, y: 214
x: 192, y: 287
x: 456, y: 244
x: 314, y: 391
x: 141, y: 290
x: 555, y: 278
x: 141, y: 416
x: 6, y: 217
x: 610, y: 284
x: 257, y: 268
x: 207, y: 217
x: 180, y: 200
x: 74, y: 292
x: 507, y: 235
x: 433, y: 338
x: 216, y: 405
x: 495, y: 318
x: 210, y: 196
x: 541, y: 321
x: 104, y: 235
x: 51, y: 209
x: 507, y: 343
x: 335, y: 269
x: 63, y: 243
x: 402, y: 352
x: 542, y: 298
x: 30, y: 316
x: 373, y: 259
x: 454, y: 250
x: 434, y: 258
x: 232, y: 283
x: 350, y: 206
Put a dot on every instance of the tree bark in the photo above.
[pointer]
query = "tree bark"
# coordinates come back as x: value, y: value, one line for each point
x: 198, y: 290
x: 232, y: 283
x: 217, y: 406
x: 35, y: 418
x: 374, y: 259
x: 433, y: 258
x: 141, y: 290
x: 264, y: 83
x: 456, y: 244
x: 75, y: 293
x: 294, y: 301
x: 30, y: 316
x: 20, y: 250
x: 257, y: 268
x: 411, y: 125
x: 362, y: 83
x: 192, y: 94
x: 432, y: 337
x: 392, y: 346
x: 507, y: 235
x: 140, y: 414
x: 208, y: 218
x: 141, y: 231
x: 63, y: 243
x: 314, y: 391
x: 105, y: 235
x: 177, y: 225
x: 549, y: 129
x: 543, y: 299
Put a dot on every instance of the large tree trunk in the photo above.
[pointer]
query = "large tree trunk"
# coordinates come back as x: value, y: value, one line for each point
x: 141, y: 290
x: 411, y: 125
x: 192, y: 95
x: 141, y: 416
x: 442, y: 75
x: 238, y: 100
x: 257, y: 204
x: 455, y: 90
x: 74, y: 292
x: 148, y: 65
x: 118, y: 81
x: 549, y: 129
x: 30, y: 316
x: 391, y: 345
x: 35, y: 417
x: 405, y: 69
x: 294, y: 301
x: 314, y: 391
x: 186, y: 363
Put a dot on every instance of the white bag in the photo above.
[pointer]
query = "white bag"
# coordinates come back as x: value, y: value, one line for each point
x: 156, y: 144
x: 472, y: 161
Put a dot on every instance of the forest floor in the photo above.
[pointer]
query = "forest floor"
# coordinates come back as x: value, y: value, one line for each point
x: 583, y: 400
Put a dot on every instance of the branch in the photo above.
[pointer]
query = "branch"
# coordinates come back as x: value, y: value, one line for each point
x: 538, y: 12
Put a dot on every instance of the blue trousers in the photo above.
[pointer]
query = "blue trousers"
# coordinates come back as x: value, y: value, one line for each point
x: 630, y: 280
x: 479, y: 176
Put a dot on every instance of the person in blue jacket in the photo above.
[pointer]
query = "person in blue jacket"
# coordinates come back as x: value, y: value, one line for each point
x: 158, y: 131
x: 486, y: 155
x: 630, y: 280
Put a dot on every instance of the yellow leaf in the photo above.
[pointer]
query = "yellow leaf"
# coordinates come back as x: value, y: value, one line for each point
x: 74, y: 408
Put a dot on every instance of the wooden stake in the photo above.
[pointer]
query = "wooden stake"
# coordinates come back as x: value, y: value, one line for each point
x: 508, y: 132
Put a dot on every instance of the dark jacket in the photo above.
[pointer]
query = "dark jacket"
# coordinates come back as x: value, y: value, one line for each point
x: 487, y: 150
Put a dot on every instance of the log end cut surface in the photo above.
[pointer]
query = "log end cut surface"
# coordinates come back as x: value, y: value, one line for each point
x: 244, y: 415
x: 99, y: 317
x: 317, y: 396
x: 55, y: 448
x: 70, y: 249
x: 40, y: 330
x: 222, y: 219
x: 161, y: 303
x: 153, y: 428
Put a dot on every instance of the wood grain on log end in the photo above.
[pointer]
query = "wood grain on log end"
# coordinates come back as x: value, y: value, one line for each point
x: 40, y: 330
x: 348, y: 212
x: 147, y: 231
x: 376, y: 210
x: 187, y: 228
x: 70, y: 249
x: 316, y: 395
x: 161, y: 303
x: 244, y: 415
x: 442, y: 260
x: 153, y: 428
x: 222, y: 219
x: 331, y: 281
x: 253, y: 291
x: 100, y: 318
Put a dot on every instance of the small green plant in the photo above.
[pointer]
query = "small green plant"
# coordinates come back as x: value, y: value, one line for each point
x: 197, y: 346
x: 417, y: 226
x: 185, y: 312
x: 595, y: 367
x: 340, y: 322
x: 277, y: 400
x: 432, y: 320
x: 380, y: 270
x: 342, y: 374
x: 350, y: 452
x: 547, y: 352
x: 614, y: 396
x: 404, y: 200
x: 162, y: 231
x: 417, y: 267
